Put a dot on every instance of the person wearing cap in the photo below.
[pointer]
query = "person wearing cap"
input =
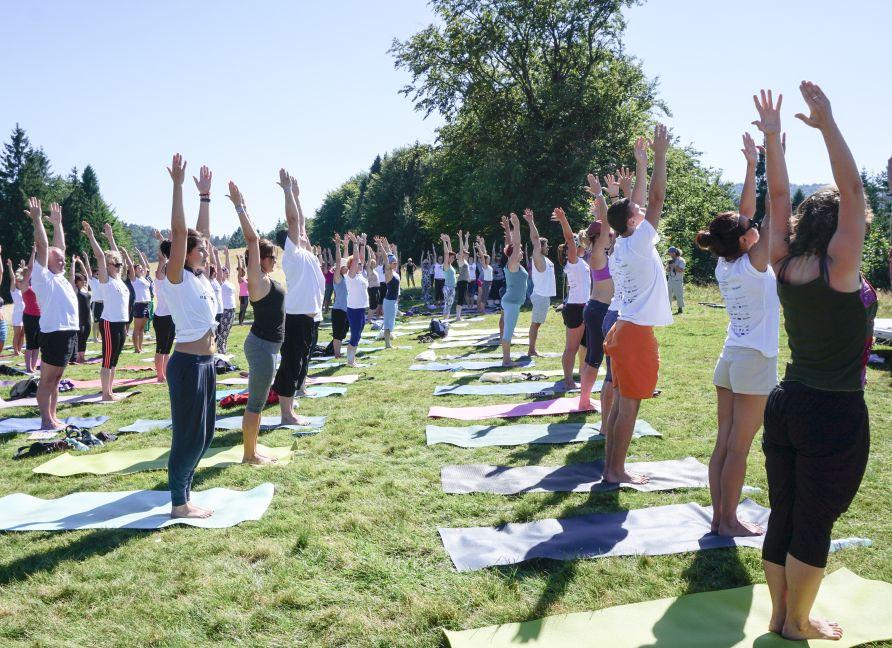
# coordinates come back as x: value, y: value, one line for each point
x: 675, y: 271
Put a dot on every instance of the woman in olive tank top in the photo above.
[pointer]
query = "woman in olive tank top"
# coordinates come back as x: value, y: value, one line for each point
x: 817, y: 437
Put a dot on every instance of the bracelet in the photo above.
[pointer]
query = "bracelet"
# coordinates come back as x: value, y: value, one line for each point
x: 205, y: 195
x: 239, y: 209
x: 205, y: 200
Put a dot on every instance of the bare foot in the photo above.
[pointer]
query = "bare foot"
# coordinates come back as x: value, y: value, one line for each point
x: 813, y: 629
x: 111, y: 398
x: 627, y: 477
x: 189, y: 510
x: 533, y: 353
x: 714, y: 528
x: 295, y: 420
x: 776, y: 623
x: 584, y: 404
x: 740, y: 528
x: 258, y: 460
x: 569, y: 384
x: 161, y: 380
x: 50, y: 424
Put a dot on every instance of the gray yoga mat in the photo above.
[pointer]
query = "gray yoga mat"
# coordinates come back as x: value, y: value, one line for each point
x: 20, y: 425
x: 323, y: 391
x: 571, y: 478
x: 466, y: 365
x: 479, y: 436
x: 142, y: 509
x: 272, y: 423
x: 333, y: 364
x: 497, y: 355
x: 521, y: 388
x: 146, y: 425
x: 655, y: 531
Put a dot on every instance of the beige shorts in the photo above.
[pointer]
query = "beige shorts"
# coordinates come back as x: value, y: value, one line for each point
x: 745, y: 371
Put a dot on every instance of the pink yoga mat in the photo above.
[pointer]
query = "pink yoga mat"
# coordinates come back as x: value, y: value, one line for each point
x: 92, y: 384
x: 512, y: 410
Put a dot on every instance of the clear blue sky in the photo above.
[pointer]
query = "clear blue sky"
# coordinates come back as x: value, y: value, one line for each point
x: 249, y: 87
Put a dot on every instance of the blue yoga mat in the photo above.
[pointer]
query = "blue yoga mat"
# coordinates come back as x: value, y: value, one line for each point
x: 520, y: 388
x: 479, y: 436
x: 466, y: 365
x: 20, y: 425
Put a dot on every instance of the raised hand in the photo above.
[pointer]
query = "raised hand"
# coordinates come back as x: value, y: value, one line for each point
x: 177, y: 169
x: 612, y: 185
x: 749, y: 150
x: 203, y: 181
x: 641, y: 145
x: 35, y: 209
x: 558, y: 215
x: 504, y: 223
x: 88, y: 229
x: 769, y: 121
x: 515, y: 222
x: 625, y: 181
x: 594, y: 185
x: 107, y: 230
x: 157, y: 235
x: 284, y: 179
x: 56, y: 214
x: 295, y: 189
x: 660, y: 143
x: 528, y: 215
x: 820, y: 116
x: 235, y: 195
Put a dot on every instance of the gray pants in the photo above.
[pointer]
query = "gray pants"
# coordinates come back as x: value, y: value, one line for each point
x: 261, y: 356
x: 676, y: 291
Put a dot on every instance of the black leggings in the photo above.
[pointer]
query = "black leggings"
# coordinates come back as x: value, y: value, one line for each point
x: 165, y: 332
x: 32, y: 331
x: 816, y: 445
x: 114, y: 334
x: 242, y: 308
x: 295, y: 355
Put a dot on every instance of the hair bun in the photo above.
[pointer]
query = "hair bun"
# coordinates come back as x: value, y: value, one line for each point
x: 704, y: 240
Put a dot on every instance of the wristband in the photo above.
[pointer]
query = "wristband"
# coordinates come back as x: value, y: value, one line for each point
x: 240, y: 209
x: 205, y: 200
x: 600, y: 194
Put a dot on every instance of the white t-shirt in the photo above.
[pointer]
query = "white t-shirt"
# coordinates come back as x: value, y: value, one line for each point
x: 438, y: 271
x: 544, y: 284
x: 579, y: 279
x: 753, y: 307
x: 218, y: 295
x: 674, y: 266
x: 192, y: 305
x: 379, y: 272
x: 56, y: 298
x: 304, y: 280
x: 487, y: 273
x: 357, y: 291
x: 645, y: 295
x: 228, y: 292
x: 18, y: 306
x: 161, y: 307
x: 94, y: 288
x: 472, y: 271
x: 116, y: 299
x: 617, y: 301
x: 141, y: 290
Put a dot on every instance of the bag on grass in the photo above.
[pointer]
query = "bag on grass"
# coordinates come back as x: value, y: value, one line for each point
x: 24, y: 389
x: 438, y: 328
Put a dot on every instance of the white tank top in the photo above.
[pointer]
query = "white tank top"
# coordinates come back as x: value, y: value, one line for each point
x: 753, y: 307
x: 579, y: 278
x: 544, y: 283
x: 192, y: 305
x: 487, y: 273
x: 161, y: 308
x: 357, y: 291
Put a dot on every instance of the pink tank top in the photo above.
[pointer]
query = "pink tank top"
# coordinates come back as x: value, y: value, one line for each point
x: 243, y: 288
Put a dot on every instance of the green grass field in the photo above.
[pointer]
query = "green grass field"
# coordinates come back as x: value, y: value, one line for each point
x: 348, y: 553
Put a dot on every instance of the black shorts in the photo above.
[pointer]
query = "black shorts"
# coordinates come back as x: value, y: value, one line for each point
x: 165, y: 332
x: 572, y: 314
x: 113, y: 336
x: 340, y: 325
x: 32, y: 331
x: 97, y: 310
x: 57, y: 347
x: 141, y: 310
x: 461, y: 292
x: 593, y: 315
x: 373, y: 297
x: 382, y: 292
x: 83, y: 334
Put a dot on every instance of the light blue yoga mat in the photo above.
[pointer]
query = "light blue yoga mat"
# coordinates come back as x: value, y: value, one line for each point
x: 466, y: 365
x: 146, y: 425
x: 316, y: 391
x: 315, y: 424
x: 479, y: 436
x: 521, y: 388
x: 20, y: 425
x: 143, y: 509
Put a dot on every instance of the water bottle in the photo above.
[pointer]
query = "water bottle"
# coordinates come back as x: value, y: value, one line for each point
x: 836, y: 545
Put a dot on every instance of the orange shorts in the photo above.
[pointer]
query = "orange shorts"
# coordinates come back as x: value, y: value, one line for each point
x: 634, y: 359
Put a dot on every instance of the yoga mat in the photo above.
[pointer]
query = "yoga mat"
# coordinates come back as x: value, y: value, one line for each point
x: 457, y: 344
x: 479, y: 436
x: 124, y: 462
x: 333, y: 365
x: 730, y: 618
x: 19, y: 425
x: 146, y: 425
x: 466, y: 365
x: 142, y: 509
x: 424, y: 356
x: 660, y: 530
x: 93, y: 384
x: 64, y: 399
x: 498, y: 354
x: 346, y: 379
x: 532, y: 374
x: 315, y: 424
x: 531, y: 388
x: 571, y: 478
x: 512, y: 410
x: 323, y: 392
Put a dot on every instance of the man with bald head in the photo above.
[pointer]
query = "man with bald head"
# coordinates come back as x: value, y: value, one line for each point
x: 58, y: 310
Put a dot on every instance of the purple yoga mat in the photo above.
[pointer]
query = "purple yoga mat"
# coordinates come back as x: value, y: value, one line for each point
x: 659, y: 530
x: 512, y: 410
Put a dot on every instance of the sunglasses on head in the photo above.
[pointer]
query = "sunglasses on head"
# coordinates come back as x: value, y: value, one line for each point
x: 751, y: 224
x: 117, y: 265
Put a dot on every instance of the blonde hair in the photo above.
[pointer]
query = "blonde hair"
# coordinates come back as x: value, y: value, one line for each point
x: 113, y: 257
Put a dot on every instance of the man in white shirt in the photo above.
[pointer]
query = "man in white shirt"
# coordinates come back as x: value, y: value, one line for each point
x: 303, y: 302
x: 675, y: 270
x: 631, y: 343
x: 58, y: 310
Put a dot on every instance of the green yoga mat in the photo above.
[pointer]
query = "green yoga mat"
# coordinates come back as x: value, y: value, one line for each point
x: 132, y: 461
x: 724, y: 619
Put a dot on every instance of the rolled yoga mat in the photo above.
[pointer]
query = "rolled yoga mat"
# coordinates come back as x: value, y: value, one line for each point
x: 65, y: 399
x: 512, y: 410
x: 21, y: 425
x: 730, y: 618
x: 571, y: 478
x: 656, y: 531
x: 466, y: 365
x: 532, y: 388
x: 124, y: 462
x: 479, y: 436
x: 142, y: 509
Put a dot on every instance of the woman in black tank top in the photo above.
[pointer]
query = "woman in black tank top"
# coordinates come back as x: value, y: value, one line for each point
x: 267, y: 332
